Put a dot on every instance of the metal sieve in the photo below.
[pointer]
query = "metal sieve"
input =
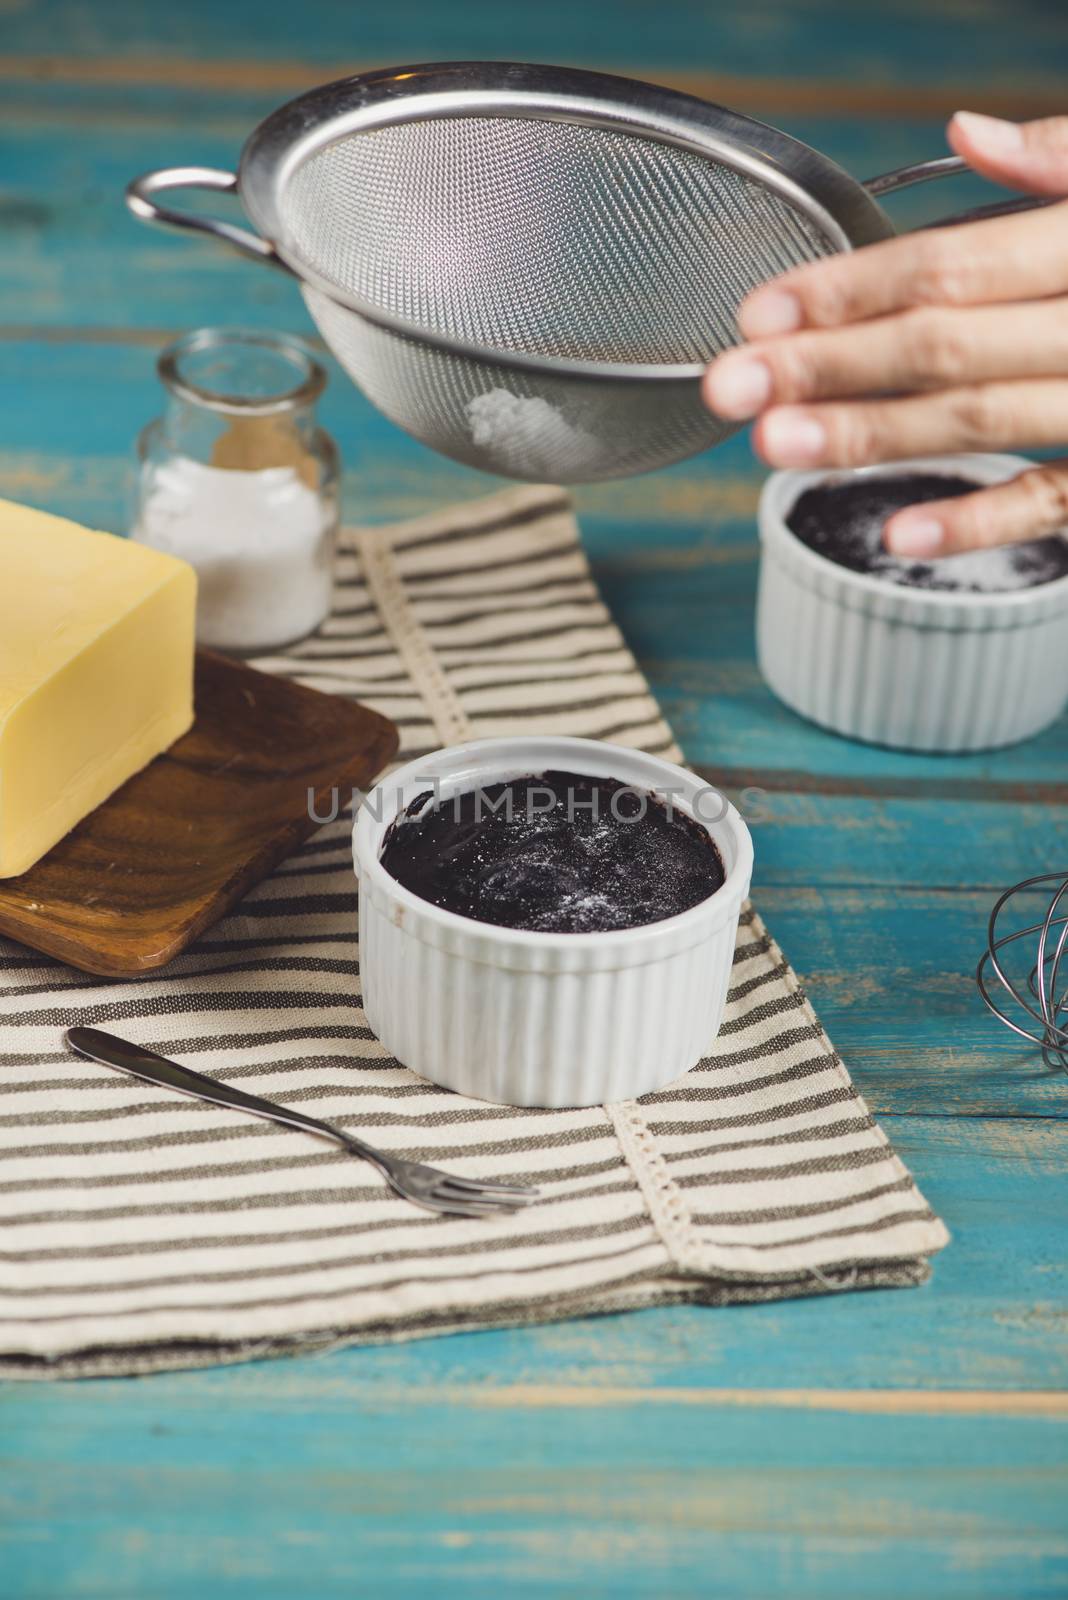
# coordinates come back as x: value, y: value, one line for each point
x: 528, y: 268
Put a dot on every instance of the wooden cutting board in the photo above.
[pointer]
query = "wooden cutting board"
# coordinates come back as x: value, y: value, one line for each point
x: 141, y: 877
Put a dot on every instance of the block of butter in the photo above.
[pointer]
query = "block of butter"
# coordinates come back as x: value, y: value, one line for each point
x: 96, y: 672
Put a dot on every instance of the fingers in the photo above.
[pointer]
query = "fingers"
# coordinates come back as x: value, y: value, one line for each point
x: 1007, y: 258
x: 925, y: 349
x: 946, y: 320
x: 992, y: 416
x: 1023, y: 155
x: 1027, y: 507
x: 1023, y: 257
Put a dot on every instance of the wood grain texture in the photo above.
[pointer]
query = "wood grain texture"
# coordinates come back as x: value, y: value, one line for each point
x: 769, y: 95
x: 626, y: 1499
x: 898, y: 46
x: 434, y: 1467
x: 158, y: 863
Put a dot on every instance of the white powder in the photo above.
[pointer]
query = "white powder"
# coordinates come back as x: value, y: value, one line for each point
x: 260, y: 542
x: 995, y: 570
x: 989, y: 571
x: 527, y: 436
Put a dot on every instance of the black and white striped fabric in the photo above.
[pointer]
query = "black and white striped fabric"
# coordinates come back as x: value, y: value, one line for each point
x: 142, y: 1230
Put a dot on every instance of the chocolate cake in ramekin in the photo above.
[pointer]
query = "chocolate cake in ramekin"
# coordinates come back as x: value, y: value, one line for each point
x: 919, y: 656
x: 563, y: 971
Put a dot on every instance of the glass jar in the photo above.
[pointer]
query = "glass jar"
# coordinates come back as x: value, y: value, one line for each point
x: 237, y: 478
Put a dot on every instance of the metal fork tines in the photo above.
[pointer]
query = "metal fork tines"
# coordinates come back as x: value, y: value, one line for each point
x: 441, y: 1191
x: 424, y: 1186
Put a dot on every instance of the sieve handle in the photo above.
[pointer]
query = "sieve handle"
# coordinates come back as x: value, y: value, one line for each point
x: 948, y: 167
x: 919, y: 172
x: 140, y: 198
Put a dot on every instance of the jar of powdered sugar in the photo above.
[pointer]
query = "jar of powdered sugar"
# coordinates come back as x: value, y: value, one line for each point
x: 238, y: 479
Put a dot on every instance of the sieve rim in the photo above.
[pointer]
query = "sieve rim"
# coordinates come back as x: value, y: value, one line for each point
x: 290, y: 136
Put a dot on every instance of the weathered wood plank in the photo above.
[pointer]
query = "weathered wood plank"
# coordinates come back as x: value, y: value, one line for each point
x: 890, y: 973
x: 350, y: 1504
x: 770, y: 97
x: 895, y: 46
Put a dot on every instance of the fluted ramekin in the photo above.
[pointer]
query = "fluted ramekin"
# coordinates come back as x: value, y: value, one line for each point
x: 544, y: 1019
x: 916, y: 669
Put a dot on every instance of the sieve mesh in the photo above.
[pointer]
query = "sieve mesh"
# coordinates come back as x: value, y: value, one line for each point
x: 546, y: 237
x: 550, y: 237
x: 521, y: 424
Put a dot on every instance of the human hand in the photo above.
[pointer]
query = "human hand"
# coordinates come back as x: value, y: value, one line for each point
x: 950, y: 339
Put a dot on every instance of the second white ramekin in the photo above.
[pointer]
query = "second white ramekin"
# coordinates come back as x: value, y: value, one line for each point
x: 544, y: 1019
x: 916, y: 669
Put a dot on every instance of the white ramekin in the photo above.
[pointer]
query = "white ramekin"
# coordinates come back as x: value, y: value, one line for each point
x: 916, y: 669
x: 544, y: 1019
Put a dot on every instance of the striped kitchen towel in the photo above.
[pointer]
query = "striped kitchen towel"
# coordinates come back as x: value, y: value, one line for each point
x: 141, y: 1230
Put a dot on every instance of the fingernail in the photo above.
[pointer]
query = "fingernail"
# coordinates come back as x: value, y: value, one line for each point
x: 739, y: 386
x: 914, y: 534
x: 992, y: 133
x: 768, y: 312
x: 792, y: 438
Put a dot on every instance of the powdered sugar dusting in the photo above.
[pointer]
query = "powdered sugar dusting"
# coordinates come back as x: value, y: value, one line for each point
x: 527, y: 436
x: 844, y: 521
x: 562, y: 852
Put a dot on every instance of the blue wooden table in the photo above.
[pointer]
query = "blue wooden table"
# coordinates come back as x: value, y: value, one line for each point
x: 874, y: 1445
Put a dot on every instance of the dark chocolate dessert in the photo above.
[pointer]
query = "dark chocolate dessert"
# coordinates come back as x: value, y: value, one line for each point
x: 555, y: 853
x: 843, y: 520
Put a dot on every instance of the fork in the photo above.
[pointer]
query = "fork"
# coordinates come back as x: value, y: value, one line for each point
x: 424, y: 1186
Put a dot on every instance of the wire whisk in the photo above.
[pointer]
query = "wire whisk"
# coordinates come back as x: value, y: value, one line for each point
x: 1043, y: 996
